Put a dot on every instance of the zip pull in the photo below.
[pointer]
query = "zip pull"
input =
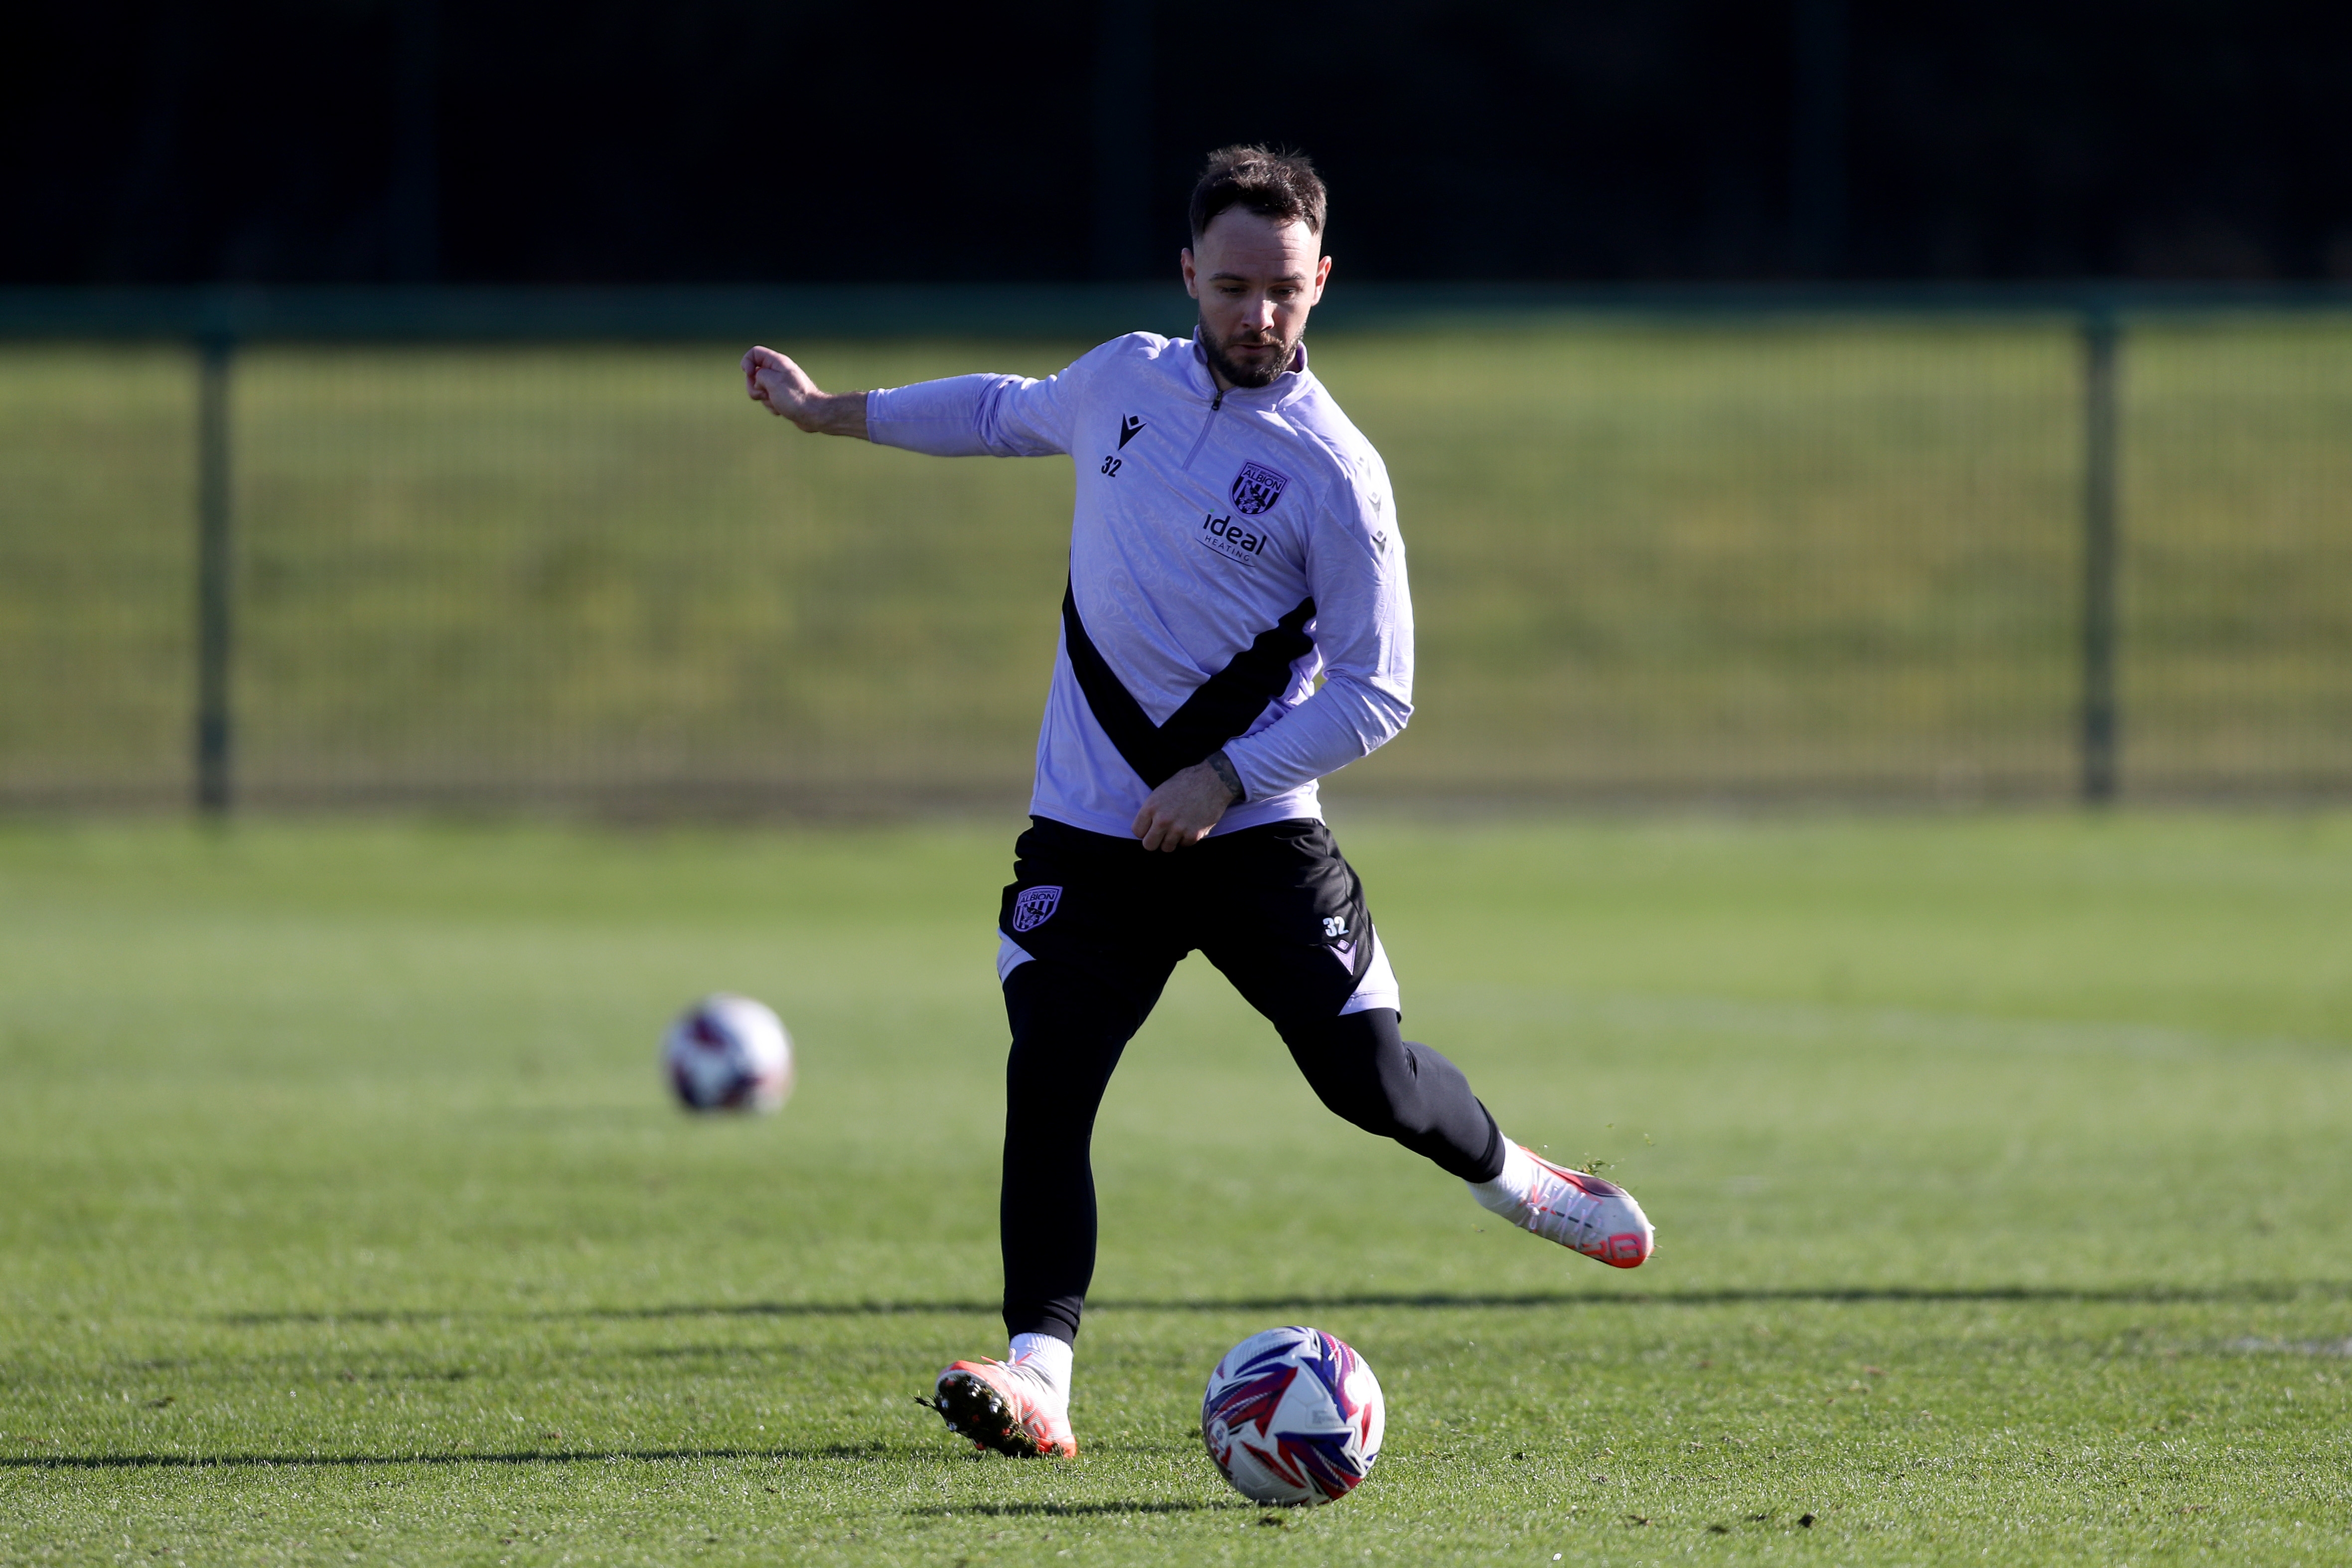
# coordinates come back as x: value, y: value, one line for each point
x: 1202, y: 439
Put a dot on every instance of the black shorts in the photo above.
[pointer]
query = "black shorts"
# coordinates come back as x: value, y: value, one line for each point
x: 1101, y: 922
x: 1278, y: 891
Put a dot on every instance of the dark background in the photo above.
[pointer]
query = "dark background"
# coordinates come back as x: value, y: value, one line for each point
x: 749, y: 140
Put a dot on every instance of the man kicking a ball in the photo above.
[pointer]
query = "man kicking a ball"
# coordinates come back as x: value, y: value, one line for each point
x: 1233, y: 539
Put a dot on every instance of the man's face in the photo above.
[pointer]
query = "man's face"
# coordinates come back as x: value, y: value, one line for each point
x: 1256, y: 278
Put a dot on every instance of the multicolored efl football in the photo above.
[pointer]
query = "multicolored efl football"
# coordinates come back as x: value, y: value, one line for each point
x: 1293, y: 1416
x: 729, y: 1053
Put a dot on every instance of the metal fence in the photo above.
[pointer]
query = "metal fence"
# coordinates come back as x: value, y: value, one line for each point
x: 487, y: 549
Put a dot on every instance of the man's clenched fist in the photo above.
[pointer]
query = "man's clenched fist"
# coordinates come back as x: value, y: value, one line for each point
x: 1181, y: 812
x: 785, y: 391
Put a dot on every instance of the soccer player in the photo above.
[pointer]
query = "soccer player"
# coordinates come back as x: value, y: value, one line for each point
x: 1233, y: 539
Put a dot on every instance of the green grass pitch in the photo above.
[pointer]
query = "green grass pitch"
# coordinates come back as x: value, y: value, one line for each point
x: 2000, y: 1165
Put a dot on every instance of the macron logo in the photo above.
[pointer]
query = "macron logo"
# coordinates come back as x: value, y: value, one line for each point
x: 1129, y: 429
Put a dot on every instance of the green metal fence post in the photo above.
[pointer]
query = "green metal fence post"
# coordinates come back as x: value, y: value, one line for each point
x: 216, y: 574
x: 2101, y: 337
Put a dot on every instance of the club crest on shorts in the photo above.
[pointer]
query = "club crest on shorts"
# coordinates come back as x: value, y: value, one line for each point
x: 1257, y: 488
x: 1034, y: 907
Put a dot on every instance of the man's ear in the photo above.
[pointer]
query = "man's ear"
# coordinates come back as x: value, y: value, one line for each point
x: 1191, y: 283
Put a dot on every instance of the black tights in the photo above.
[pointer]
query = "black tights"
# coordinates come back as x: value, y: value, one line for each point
x: 1070, y: 1024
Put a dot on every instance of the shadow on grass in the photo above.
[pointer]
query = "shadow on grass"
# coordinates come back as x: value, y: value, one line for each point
x: 1068, y: 1510
x: 511, y: 1457
x: 2248, y: 1291
x: 2140, y: 1295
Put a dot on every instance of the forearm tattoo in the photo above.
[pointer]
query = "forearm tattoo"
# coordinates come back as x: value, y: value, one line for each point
x: 1222, y: 766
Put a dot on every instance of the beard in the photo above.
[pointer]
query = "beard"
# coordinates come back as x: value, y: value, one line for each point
x: 1235, y: 373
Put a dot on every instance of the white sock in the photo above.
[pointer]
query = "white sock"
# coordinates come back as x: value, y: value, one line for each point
x: 1048, y: 1358
x: 1512, y: 1185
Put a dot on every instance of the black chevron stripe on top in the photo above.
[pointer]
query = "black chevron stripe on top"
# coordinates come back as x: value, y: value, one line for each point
x: 1220, y: 708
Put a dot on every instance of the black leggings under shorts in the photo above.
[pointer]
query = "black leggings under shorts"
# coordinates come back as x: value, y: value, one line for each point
x: 1277, y: 911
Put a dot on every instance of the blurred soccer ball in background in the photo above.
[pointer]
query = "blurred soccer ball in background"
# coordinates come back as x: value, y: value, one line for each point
x: 1293, y: 1416
x: 729, y: 1053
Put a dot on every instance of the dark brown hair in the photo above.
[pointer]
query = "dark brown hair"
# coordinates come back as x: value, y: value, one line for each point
x: 1280, y: 185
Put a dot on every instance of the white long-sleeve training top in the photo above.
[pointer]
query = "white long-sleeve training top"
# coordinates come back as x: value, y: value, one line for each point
x: 1225, y: 549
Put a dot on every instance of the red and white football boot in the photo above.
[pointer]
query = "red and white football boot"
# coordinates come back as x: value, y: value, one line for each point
x: 1005, y: 1405
x: 1582, y: 1213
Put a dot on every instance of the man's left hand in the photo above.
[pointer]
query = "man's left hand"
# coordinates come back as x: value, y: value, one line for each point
x: 1182, y: 809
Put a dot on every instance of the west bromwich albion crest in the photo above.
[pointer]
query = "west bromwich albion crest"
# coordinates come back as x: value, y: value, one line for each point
x: 1256, y: 488
x: 1034, y: 907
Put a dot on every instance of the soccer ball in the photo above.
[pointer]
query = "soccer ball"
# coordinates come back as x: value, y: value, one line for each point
x: 729, y: 1053
x: 1293, y: 1416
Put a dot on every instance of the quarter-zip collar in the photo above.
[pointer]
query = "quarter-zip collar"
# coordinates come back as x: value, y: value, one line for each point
x: 1289, y: 387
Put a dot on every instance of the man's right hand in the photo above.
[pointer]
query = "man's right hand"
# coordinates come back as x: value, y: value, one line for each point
x: 785, y: 391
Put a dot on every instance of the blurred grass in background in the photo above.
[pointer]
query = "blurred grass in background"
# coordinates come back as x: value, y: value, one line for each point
x: 1793, y: 558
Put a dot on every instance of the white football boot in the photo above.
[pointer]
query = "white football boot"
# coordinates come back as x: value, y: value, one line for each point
x: 1582, y: 1213
x: 1007, y: 1406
